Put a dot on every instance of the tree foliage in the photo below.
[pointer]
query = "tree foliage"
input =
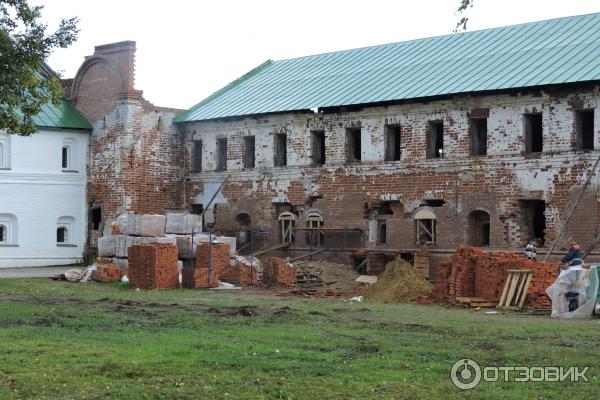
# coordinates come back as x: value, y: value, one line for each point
x: 461, y: 25
x: 24, y: 46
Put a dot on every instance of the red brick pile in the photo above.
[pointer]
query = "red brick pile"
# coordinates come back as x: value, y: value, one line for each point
x: 475, y: 273
x: 240, y: 274
x: 108, y: 273
x: 215, y: 254
x: 276, y: 271
x: 153, y: 266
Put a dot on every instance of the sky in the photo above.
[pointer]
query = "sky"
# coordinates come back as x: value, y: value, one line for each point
x: 186, y: 50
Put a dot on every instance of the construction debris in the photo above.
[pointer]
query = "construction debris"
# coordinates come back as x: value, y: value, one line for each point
x: 340, y: 277
x: 475, y: 273
x: 108, y: 272
x: 398, y: 283
x: 277, y: 271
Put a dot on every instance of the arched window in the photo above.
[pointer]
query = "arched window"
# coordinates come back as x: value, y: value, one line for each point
x: 64, y: 230
x: 426, y: 225
x: 4, y: 151
x: 314, y: 223
x: 67, y: 156
x: 287, y: 223
x: 478, y: 228
x: 8, y: 229
x: 244, y: 232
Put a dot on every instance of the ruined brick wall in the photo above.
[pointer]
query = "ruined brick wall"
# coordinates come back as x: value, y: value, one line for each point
x: 348, y: 194
x: 134, y: 157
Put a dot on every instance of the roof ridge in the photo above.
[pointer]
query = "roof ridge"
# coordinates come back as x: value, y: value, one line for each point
x: 436, y: 37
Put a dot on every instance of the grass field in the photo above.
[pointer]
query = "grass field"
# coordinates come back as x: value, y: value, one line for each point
x: 63, y: 340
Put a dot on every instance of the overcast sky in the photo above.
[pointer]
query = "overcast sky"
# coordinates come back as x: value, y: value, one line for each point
x: 186, y: 50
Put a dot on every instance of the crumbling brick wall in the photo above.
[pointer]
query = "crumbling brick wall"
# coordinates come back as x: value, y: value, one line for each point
x: 345, y: 193
x: 134, y: 157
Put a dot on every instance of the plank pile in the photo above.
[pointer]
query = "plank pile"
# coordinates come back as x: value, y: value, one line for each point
x: 153, y: 266
x: 473, y: 273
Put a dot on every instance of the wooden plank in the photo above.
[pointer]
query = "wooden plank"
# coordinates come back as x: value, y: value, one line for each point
x: 505, y: 290
x: 529, y: 278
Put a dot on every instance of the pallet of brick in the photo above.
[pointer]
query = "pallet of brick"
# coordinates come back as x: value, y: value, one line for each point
x: 108, y: 273
x: 188, y: 247
x: 277, y: 271
x: 153, y: 266
x: 212, y: 259
x: 146, y: 225
x: 240, y: 274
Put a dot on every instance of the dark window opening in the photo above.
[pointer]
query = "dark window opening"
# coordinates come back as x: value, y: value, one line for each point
x: 221, y: 154
x: 381, y: 233
x: 426, y: 230
x: 360, y: 265
x: 61, y: 235
x: 533, y: 220
x: 318, y: 147
x: 385, y: 209
x: 280, y: 150
x: 478, y: 227
x: 65, y: 157
x: 534, y: 136
x: 584, y: 130
x: 249, y: 152
x: 197, y: 156
x: 2, y: 234
x: 478, y: 133
x: 96, y: 217
x: 353, y: 143
x: 434, y: 202
x: 435, y: 144
x: 197, y: 209
x: 392, y: 143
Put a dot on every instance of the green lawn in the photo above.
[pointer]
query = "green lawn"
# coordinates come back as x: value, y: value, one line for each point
x: 63, y: 340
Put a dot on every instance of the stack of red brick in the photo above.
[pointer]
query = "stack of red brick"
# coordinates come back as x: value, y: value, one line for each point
x: 474, y: 273
x: 277, y: 271
x: 153, y: 266
x: 240, y: 274
x: 108, y: 273
x: 215, y: 256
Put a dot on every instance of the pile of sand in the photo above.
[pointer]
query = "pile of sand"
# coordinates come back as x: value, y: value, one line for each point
x: 339, y: 276
x: 398, y: 283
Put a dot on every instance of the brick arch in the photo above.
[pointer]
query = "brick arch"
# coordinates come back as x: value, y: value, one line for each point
x: 96, y: 88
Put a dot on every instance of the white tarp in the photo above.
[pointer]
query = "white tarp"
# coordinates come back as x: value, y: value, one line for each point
x: 576, y: 286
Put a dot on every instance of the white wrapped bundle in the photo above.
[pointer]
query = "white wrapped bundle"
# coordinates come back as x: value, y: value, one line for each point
x: 183, y: 223
x: 146, y: 224
x: 106, y: 246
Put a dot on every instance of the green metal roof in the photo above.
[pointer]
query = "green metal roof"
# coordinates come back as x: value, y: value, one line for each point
x: 64, y: 116
x: 556, y: 51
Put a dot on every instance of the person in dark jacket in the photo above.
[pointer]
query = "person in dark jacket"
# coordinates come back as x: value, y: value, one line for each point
x: 574, y: 255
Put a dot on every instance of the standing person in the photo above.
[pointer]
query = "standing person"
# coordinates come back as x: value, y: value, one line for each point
x: 531, y: 250
x: 574, y: 255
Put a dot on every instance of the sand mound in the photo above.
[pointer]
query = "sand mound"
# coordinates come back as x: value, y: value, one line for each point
x: 398, y: 283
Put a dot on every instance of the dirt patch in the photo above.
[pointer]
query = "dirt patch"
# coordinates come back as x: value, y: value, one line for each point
x: 243, y: 311
x: 399, y: 283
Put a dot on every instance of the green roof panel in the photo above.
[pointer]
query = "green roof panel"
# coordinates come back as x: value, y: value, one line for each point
x: 563, y: 50
x: 64, y: 116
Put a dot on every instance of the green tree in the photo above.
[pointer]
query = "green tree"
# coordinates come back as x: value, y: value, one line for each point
x: 24, y: 46
x: 461, y: 25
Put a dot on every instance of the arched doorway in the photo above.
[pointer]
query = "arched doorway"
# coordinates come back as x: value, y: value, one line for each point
x: 478, y: 228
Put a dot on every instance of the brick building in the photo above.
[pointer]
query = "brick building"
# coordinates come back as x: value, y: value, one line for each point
x: 480, y: 138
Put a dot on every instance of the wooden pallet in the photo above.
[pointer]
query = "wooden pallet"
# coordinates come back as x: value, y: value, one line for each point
x: 475, y: 302
x: 515, y: 289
